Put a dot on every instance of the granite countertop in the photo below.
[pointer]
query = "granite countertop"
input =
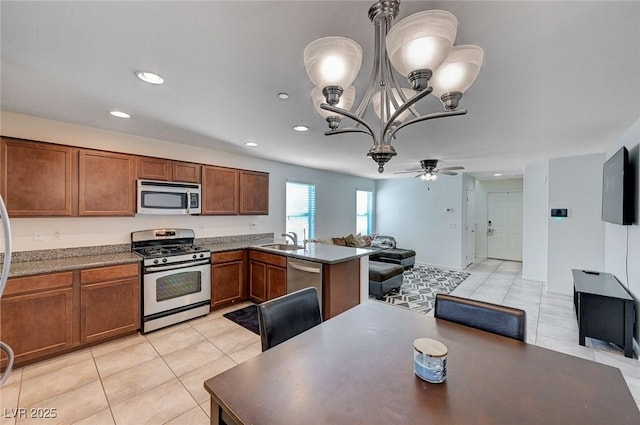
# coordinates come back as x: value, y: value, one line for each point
x: 26, y: 268
x: 39, y: 262
x: 321, y: 253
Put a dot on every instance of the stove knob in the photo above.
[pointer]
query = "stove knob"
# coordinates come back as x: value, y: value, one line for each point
x: 155, y: 261
x: 201, y: 255
x: 194, y: 256
x: 164, y: 260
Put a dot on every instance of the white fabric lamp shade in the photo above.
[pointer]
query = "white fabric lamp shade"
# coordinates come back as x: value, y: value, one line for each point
x: 332, y: 61
x: 459, y: 70
x: 421, y: 41
x: 346, y: 100
x: 377, y: 106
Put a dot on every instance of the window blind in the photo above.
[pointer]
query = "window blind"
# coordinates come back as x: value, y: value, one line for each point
x: 301, y: 209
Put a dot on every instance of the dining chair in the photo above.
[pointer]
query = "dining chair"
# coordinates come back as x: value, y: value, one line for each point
x: 284, y: 317
x: 498, y: 319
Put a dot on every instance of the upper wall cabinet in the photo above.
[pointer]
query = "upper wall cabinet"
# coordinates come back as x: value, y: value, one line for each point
x: 106, y: 184
x: 164, y: 169
x: 254, y: 193
x: 220, y: 190
x: 38, y: 179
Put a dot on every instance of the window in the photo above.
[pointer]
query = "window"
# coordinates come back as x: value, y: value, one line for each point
x: 364, y: 212
x: 301, y: 209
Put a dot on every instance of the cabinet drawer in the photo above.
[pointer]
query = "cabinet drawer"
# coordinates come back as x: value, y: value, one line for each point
x: 225, y: 257
x: 108, y: 273
x: 22, y: 285
x: 276, y: 260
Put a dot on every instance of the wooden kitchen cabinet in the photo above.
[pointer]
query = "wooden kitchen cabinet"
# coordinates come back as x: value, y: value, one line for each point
x: 106, y: 184
x: 109, y: 302
x: 254, y: 193
x: 167, y: 170
x: 267, y: 276
x: 154, y: 168
x: 187, y: 172
x: 38, y: 315
x: 227, y: 278
x: 220, y: 190
x: 38, y: 179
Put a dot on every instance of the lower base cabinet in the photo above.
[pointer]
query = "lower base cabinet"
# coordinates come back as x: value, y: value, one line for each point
x: 267, y: 276
x: 37, y: 315
x: 45, y: 315
x: 100, y: 291
x: 228, y: 283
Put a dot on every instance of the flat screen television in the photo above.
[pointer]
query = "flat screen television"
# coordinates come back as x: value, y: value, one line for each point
x: 617, y: 192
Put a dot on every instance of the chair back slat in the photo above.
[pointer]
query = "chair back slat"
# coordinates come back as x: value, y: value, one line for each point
x: 502, y: 320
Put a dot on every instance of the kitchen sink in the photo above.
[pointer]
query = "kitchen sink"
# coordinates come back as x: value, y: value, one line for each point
x: 282, y: 247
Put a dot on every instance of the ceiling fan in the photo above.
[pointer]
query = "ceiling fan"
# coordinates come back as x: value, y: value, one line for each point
x: 429, y: 170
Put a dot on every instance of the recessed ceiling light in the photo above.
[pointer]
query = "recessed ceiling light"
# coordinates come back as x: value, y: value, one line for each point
x: 283, y: 96
x: 149, y: 77
x: 301, y: 128
x: 251, y: 144
x: 120, y: 114
x: 497, y: 174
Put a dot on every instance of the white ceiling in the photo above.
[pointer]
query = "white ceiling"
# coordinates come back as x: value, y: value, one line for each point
x: 559, y: 78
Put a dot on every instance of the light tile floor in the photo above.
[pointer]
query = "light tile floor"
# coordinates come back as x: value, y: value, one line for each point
x: 158, y: 378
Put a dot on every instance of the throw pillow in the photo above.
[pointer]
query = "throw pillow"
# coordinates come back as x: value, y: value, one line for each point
x: 351, y: 240
x: 367, y: 240
x: 360, y: 242
x: 339, y: 241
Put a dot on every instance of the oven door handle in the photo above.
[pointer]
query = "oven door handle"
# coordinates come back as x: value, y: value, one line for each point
x: 174, y: 267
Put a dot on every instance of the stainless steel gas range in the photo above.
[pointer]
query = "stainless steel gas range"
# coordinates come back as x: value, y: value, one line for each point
x: 176, y: 278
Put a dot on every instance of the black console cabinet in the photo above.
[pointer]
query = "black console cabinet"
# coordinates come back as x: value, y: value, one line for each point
x: 604, y: 308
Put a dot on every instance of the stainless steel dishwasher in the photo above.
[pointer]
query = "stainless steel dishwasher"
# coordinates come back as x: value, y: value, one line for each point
x: 302, y: 274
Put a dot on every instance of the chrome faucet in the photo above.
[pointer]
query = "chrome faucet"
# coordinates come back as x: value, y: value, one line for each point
x: 292, y: 236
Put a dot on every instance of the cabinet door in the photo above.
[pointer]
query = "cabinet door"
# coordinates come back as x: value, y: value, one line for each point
x: 154, y: 168
x: 254, y: 193
x: 109, y: 309
x: 185, y: 172
x: 38, y: 179
x: 258, y: 281
x: 107, y: 184
x: 109, y: 301
x: 276, y: 282
x: 226, y: 283
x: 38, y: 324
x: 219, y: 190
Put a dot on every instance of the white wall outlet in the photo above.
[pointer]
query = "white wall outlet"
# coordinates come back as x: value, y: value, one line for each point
x: 56, y: 235
x: 452, y: 225
x: 38, y: 235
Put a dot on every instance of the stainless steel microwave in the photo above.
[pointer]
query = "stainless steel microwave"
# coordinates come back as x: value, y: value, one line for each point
x: 159, y: 197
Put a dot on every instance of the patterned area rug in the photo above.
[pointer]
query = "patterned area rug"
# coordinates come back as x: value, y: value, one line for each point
x: 420, y: 286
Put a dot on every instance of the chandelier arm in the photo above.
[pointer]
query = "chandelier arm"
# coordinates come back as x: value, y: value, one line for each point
x: 375, y: 71
x: 429, y: 117
x: 348, y: 114
x: 410, y: 102
x: 398, y: 87
x: 346, y: 130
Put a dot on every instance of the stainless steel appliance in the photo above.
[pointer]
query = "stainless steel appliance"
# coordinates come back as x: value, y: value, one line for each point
x: 176, y: 278
x: 158, y: 197
x: 303, y: 274
x: 6, y: 233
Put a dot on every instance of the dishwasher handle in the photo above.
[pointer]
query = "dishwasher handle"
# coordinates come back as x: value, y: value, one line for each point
x: 302, y: 268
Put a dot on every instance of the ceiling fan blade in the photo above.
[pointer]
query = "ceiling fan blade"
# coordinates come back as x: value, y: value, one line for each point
x: 447, y: 173
x: 408, y: 171
x: 452, y: 168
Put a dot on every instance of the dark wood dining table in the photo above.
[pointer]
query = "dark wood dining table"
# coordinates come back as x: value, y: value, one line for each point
x: 357, y: 368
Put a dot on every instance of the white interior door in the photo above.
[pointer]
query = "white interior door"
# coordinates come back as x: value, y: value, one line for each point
x: 504, y: 227
x: 470, y: 229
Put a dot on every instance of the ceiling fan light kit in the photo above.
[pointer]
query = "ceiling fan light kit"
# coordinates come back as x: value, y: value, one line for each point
x: 420, y: 48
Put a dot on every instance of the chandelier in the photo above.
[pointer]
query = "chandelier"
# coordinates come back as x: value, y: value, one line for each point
x: 420, y: 48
